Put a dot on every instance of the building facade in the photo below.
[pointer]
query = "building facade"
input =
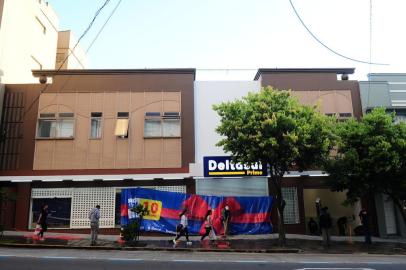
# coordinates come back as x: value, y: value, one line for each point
x: 30, y: 39
x: 387, y: 90
x: 94, y: 132
x: 91, y: 133
x: 338, y: 97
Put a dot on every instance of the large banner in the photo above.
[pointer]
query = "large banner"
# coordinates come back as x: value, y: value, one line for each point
x: 249, y: 215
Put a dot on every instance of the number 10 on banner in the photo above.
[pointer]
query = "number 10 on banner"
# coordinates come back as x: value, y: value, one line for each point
x: 154, y: 209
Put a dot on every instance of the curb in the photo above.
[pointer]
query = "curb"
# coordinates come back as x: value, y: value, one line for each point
x: 44, y: 246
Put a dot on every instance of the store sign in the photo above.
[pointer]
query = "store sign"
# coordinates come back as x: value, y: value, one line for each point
x: 223, y: 166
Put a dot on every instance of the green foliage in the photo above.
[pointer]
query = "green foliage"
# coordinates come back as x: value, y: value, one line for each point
x: 273, y: 127
x: 371, y: 157
x: 131, y: 232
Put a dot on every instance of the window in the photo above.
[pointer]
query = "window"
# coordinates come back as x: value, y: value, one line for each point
x: 59, y: 211
x: 122, y: 125
x: 166, y: 126
x: 50, y: 126
x: 291, y: 212
x: 95, y: 125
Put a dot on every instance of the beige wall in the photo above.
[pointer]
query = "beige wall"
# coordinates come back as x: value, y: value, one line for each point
x: 334, y: 202
x: 331, y: 101
x: 109, y: 152
x: 77, y: 58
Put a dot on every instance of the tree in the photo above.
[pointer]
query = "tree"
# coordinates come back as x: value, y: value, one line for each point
x: 371, y: 159
x: 131, y: 232
x: 274, y: 128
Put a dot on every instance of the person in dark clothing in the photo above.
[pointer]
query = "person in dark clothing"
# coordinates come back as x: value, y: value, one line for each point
x: 226, y: 217
x: 42, y: 220
x: 312, y: 226
x: 363, y: 215
x: 325, y: 225
x: 208, y: 226
x: 342, y: 226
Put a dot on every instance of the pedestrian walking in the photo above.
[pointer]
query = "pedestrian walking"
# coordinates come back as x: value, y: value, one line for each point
x: 363, y: 215
x: 325, y: 225
x: 42, y: 221
x: 226, y: 217
x: 182, y: 228
x: 94, y: 217
x: 208, y: 226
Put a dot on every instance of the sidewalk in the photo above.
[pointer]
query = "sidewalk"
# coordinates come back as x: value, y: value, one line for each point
x: 240, y: 243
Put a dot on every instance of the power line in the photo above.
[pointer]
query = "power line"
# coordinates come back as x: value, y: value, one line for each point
x: 94, y: 40
x: 327, y: 47
x: 60, y: 67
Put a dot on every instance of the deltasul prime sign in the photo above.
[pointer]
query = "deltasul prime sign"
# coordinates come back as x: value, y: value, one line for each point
x: 223, y: 166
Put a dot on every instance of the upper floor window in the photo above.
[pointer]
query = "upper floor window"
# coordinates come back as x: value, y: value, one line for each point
x: 122, y: 125
x: 51, y: 126
x: 162, y: 125
x: 95, y: 125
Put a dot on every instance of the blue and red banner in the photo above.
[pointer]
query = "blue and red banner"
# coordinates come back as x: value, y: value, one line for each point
x: 249, y: 215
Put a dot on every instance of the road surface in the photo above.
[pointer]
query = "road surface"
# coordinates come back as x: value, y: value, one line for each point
x: 60, y: 259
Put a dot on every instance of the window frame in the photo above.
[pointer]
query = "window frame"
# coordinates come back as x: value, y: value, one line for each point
x: 100, y: 118
x: 57, y: 119
x: 163, y: 117
x: 122, y: 116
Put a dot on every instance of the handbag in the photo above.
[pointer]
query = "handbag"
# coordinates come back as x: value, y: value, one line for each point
x: 38, y: 229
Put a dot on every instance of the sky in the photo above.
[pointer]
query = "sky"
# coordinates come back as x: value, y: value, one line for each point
x: 240, y: 34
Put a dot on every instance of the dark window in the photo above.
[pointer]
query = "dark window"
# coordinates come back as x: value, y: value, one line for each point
x: 122, y: 114
x: 59, y: 211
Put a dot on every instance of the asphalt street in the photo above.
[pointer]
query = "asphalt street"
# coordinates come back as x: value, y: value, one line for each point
x: 45, y: 259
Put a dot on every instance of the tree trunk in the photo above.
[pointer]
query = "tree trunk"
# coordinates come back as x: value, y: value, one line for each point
x: 276, y: 181
x: 281, y: 228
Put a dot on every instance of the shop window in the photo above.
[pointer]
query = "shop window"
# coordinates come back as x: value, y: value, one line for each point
x: 122, y: 125
x: 59, y: 211
x: 167, y: 125
x: 95, y: 125
x: 52, y: 127
x: 291, y: 212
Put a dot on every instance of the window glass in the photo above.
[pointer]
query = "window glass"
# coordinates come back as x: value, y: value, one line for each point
x: 95, y: 128
x: 171, y: 128
x: 59, y: 211
x: 65, y: 128
x: 62, y: 127
x: 46, y: 128
x: 291, y: 211
x: 152, y: 128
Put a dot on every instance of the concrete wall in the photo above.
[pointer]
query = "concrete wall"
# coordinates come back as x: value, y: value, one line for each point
x: 77, y: 58
x: 28, y: 39
x: 207, y: 94
x: 384, y: 90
